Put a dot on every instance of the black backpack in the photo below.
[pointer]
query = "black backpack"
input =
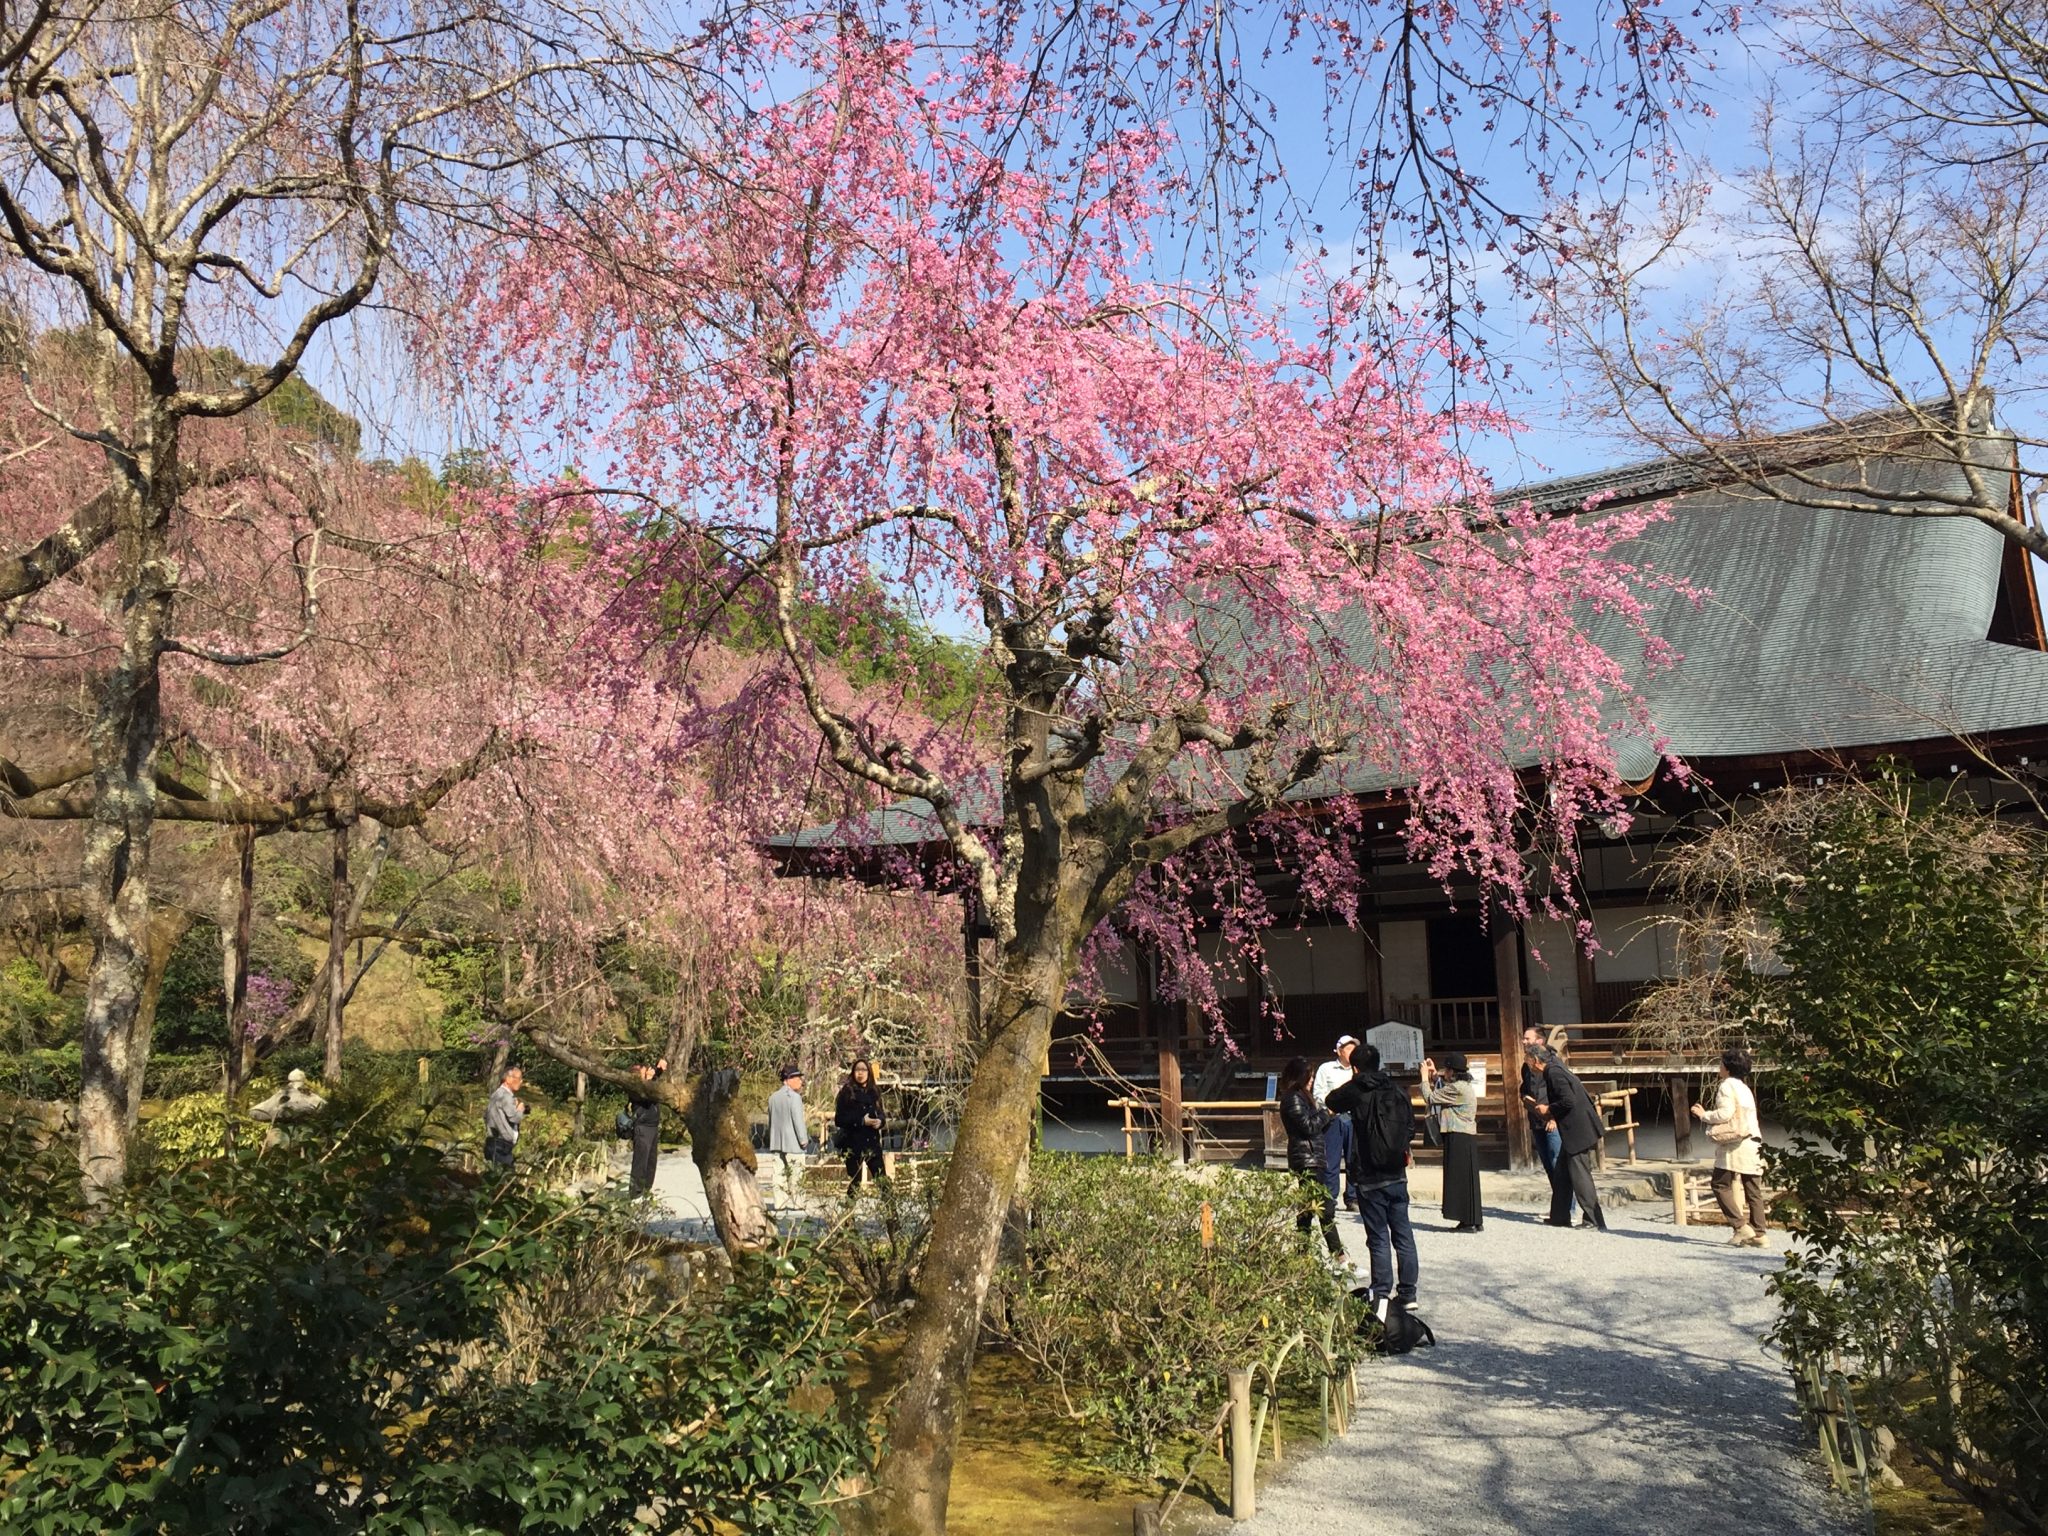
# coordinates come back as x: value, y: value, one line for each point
x: 1392, y: 1329
x: 1385, y: 1123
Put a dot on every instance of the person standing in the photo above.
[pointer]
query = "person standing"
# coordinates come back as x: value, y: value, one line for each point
x: 788, y: 1136
x: 1454, y: 1094
x: 1337, y: 1136
x: 1578, y: 1133
x: 1382, y: 1129
x: 644, y: 1109
x: 1306, y: 1121
x: 1738, y: 1150
x: 502, y: 1114
x: 858, y: 1115
x: 1543, y: 1124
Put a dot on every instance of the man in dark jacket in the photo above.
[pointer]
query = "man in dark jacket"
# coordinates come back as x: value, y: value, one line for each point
x: 1382, y: 1126
x: 1542, y: 1123
x: 646, y: 1116
x: 1578, y: 1131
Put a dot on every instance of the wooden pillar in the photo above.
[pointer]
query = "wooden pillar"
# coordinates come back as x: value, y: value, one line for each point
x: 1589, y: 980
x: 1681, y: 1117
x: 1507, y: 989
x: 1244, y: 1451
x: 1375, y: 977
x: 1169, y: 1100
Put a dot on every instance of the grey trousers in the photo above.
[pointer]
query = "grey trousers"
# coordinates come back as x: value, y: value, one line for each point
x: 1580, y: 1165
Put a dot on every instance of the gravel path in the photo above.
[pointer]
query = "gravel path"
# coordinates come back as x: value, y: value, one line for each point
x: 1582, y: 1385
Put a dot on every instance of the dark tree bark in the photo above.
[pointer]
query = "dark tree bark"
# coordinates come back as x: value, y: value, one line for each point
x: 237, y: 965
x: 340, y: 899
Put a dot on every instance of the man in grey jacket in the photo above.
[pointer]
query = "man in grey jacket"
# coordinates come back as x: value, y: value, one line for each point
x: 501, y: 1118
x: 788, y: 1136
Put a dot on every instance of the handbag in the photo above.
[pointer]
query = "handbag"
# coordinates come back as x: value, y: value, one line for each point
x: 1726, y: 1132
x: 622, y: 1125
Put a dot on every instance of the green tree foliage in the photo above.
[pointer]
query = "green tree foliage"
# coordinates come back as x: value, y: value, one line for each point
x: 364, y: 1341
x: 1906, y: 1022
x: 1135, y: 1322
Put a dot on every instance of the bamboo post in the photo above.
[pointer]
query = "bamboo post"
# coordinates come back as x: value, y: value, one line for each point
x: 1244, y: 1450
x: 1681, y: 1198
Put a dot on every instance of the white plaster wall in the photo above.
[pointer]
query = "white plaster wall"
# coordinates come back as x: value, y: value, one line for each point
x: 1634, y: 946
x: 1553, y: 968
x: 1304, y: 962
x: 1404, y: 962
x: 1118, y: 975
x: 1230, y: 980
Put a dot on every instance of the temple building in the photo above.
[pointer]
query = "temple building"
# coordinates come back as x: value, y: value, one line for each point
x: 1824, y: 642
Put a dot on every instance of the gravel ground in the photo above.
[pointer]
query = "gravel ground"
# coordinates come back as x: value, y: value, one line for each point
x: 1582, y: 1385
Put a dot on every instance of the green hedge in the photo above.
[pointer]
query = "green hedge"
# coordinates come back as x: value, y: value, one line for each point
x: 355, y: 1339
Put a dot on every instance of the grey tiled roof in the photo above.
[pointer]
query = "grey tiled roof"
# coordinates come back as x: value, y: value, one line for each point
x: 1819, y: 630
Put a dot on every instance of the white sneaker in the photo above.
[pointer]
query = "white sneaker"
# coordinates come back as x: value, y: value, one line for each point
x: 1742, y: 1236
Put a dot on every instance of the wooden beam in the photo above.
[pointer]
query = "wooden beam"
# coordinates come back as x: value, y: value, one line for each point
x: 1507, y: 988
x: 1375, y: 977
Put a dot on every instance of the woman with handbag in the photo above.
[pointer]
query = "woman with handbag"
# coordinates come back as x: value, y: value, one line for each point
x: 1738, y: 1150
x: 1453, y: 1096
x: 1306, y: 1120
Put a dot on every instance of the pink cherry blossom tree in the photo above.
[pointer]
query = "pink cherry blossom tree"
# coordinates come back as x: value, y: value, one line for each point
x: 1217, y: 554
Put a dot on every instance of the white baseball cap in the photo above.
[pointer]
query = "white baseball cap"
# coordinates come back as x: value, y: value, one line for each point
x: 1344, y: 1040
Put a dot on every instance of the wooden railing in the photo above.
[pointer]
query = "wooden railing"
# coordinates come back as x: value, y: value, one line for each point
x: 1459, y: 1021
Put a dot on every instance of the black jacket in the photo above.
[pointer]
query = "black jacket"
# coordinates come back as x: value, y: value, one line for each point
x: 1305, y: 1121
x: 851, y: 1109
x: 646, y: 1115
x: 1355, y: 1099
x: 1578, y: 1118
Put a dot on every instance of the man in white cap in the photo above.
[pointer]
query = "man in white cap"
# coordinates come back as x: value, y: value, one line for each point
x: 1337, y: 1139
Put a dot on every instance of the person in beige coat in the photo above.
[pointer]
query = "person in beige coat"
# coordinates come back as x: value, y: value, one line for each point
x: 1738, y: 1150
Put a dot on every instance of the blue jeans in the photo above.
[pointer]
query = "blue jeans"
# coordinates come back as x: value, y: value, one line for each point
x: 1550, y: 1151
x: 1336, y: 1155
x: 1389, y: 1238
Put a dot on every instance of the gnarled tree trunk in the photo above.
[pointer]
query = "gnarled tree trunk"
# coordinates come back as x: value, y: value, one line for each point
x: 126, y: 730
x: 724, y: 1155
x: 952, y: 1283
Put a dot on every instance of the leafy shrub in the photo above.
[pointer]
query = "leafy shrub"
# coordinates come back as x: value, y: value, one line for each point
x: 1905, y: 1022
x: 189, y: 1128
x: 31, y: 1015
x: 319, y: 1342
x: 1135, y: 1322
x: 42, y: 1074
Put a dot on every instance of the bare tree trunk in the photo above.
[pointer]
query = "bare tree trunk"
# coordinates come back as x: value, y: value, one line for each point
x: 236, y: 964
x: 167, y: 931
x: 952, y: 1284
x: 339, y: 896
x: 125, y: 732
x: 724, y: 1155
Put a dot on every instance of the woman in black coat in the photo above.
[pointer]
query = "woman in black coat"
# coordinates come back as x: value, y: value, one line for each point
x: 644, y: 1109
x: 1306, y: 1121
x: 857, y: 1114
